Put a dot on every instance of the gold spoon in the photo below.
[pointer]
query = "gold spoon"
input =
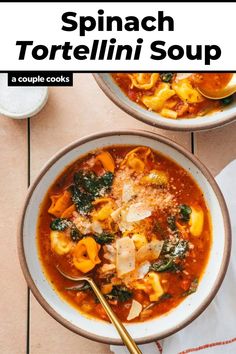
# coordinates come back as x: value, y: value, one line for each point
x: 223, y: 92
x: 125, y: 336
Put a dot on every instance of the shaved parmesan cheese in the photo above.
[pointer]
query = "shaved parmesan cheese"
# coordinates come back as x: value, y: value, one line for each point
x: 127, y: 192
x: 119, y: 216
x: 96, y: 227
x: 124, y: 224
x: 107, y: 268
x: 139, y: 273
x: 181, y: 76
x: 109, y: 253
x: 82, y: 223
x: 135, y: 310
x: 116, y: 214
x: 150, y: 251
x: 125, y: 256
x: 143, y: 269
x: 137, y: 212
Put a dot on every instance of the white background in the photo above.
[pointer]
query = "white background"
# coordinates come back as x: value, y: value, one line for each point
x: 195, y: 23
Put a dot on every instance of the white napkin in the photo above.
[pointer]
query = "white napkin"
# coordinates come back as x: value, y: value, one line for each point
x: 214, y: 331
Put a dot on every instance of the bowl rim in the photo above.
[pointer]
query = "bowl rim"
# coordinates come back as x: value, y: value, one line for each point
x: 166, y: 123
x: 227, y: 234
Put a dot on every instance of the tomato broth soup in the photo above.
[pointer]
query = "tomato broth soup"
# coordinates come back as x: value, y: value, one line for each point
x: 174, y: 95
x: 133, y: 220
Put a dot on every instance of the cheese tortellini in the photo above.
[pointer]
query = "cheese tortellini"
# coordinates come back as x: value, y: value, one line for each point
x: 196, y: 221
x: 161, y: 95
x: 60, y: 242
x: 85, y: 256
x: 137, y: 158
x: 144, y: 81
x: 60, y: 203
x: 186, y: 92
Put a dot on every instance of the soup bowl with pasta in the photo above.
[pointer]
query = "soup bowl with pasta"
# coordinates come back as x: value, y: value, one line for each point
x: 138, y: 214
x: 171, y: 100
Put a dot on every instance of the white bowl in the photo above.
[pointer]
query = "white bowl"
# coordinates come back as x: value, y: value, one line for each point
x: 153, y: 329
x: 21, y: 102
x: 213, y: 120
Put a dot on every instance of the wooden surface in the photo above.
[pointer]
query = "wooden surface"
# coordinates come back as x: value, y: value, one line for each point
x: 25, y: 147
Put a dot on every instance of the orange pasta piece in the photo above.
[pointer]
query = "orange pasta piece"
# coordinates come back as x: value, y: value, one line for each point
x: 104, y: 208
x: 137, y: 158
x: 60, y: 203
x: 135, y: 163
x: 102, y: 200
x: 68, y: 212
x: 107, y: 161
x: 85, y: 255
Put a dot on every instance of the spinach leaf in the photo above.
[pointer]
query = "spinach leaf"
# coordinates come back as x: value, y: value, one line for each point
x: 93, y: 184
x: 79, y: 178
x: 166, y: 77
x: 176, y: 250
x: 75, y: 234
x: 83, y: 201
x: 104, y: 238
x: 60, y: 224
x: 192, y: 289
x: 165, y: 296
x: 119, y: 293
x: 179, y: 249
x: 159, y: 229
x: 184, y: 212
x: 165, y: 265
x: 107, y: 179
x: 166, y: 247
x: 227, y: 100
x: 87, y: 186
x: 171, y: 221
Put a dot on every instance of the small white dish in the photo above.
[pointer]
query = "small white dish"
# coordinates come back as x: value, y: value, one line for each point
x: 21, y: 102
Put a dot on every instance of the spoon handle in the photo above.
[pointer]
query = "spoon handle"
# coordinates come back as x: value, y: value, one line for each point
x: 125, y: 336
